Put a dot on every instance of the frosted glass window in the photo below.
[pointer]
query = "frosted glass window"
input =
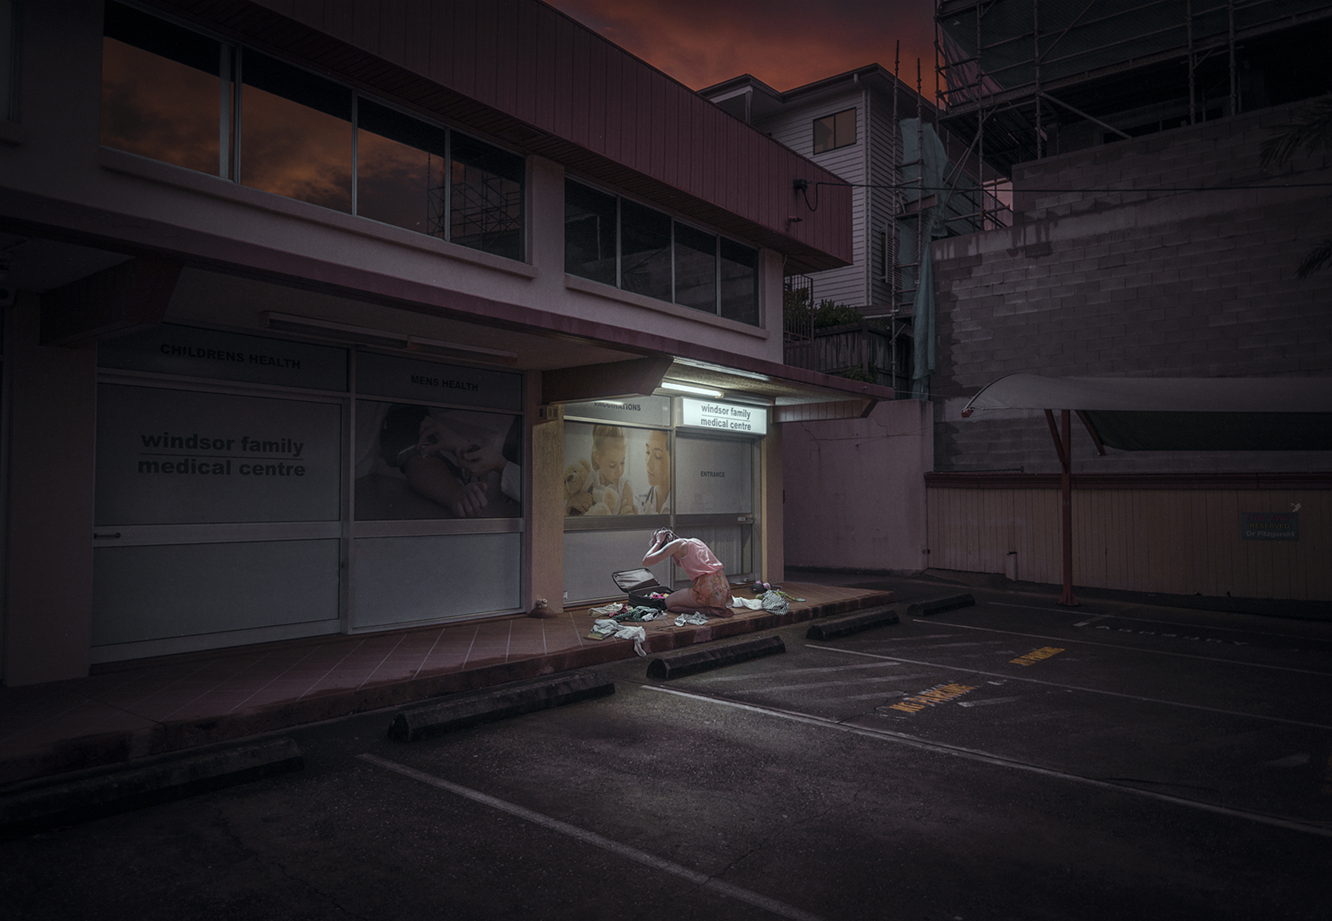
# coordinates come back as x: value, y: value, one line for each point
x: 404, y: 580
x: 169, y: 592
x: 713, y: 476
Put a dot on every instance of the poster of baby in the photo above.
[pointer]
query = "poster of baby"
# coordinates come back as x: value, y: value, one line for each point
x: 608, y: 470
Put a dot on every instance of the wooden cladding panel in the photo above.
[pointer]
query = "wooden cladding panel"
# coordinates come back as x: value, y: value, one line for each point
x: 580, y: 86
x: 597, y: 93
x: 613, y: 106
x: 1181, y: 542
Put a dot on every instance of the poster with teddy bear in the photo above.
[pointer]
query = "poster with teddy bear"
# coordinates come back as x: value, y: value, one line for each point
x: 610, y: 470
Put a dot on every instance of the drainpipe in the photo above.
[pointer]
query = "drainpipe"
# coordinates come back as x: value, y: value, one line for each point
x: 1063, y: 447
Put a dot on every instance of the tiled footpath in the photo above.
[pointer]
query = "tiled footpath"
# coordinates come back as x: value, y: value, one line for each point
x: 150, y: 707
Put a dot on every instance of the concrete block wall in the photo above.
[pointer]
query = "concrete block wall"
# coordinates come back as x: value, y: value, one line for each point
x: 1218, y: 153
x: 1138, y: 283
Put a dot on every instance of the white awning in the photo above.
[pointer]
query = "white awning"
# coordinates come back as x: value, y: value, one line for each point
x: 1179, y: 413
x: 1157, y: 394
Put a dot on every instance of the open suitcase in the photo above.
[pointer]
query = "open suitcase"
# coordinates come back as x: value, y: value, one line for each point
x: 640, y: 584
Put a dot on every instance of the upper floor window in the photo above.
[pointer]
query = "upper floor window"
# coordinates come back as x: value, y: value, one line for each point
x: 296, y: 136
x: 834, y: 131
x: 165, y: 91
x: 8, y: 62
x: 635, y: 248
x: 183, y: 98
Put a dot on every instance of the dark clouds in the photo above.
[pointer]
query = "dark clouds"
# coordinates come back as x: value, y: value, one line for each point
x: 784, y: 43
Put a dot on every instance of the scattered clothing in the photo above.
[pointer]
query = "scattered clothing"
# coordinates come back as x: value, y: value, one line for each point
x: 603, y: 628
x: 698, y: 619
x: 637, y: 634
x: 752, y: 604
x: 638, y: 614
x: 609, y: 610
x: 606, y: 627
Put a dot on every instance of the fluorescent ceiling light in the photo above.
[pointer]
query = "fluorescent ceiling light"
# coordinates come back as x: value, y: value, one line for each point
x: 421, y: 343
x: 691, y: 388
x: 721, y: 369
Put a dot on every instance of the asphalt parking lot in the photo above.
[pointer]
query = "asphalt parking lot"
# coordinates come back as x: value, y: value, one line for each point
x: 1012, y: 759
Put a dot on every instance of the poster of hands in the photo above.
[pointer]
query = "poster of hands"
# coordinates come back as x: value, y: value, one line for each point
x: 615, y: 470
x: 415, y: 461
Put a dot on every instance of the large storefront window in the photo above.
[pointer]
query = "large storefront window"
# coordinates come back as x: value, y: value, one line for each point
x: 619, y: 242
x: 253, y: 489
x: 173, y: 95
x: 633, y: 466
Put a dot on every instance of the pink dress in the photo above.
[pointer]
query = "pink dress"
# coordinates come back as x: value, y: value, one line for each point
x: 710, y: 588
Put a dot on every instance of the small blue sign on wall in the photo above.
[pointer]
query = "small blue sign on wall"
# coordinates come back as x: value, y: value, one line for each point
x: 1270, y: 525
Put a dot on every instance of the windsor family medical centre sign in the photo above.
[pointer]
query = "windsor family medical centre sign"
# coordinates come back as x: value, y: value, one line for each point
x: 724, y: 417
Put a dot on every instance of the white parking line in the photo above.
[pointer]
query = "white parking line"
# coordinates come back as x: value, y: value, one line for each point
x: 928, y: 636
x: 950, y: 645
x: 986, y: 703
x: 855, y: 683
x: 592, y: 838
x: 718, y: 676
x: 1149, y: 620
x: 1091, y: 621
x: 1073, y: 687
x: 999, y: 760
x: 1154, y: 652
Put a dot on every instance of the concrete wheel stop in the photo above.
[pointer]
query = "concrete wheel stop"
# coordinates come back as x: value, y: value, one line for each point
x: 488, y: 705
x: 834, y: 627
x: 709, y: 657
x: 938, y: 605
x: 66, y: 799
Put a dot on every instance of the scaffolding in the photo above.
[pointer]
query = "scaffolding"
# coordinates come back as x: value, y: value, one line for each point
x: 939, y: 194
x: 1019, y: 80
x: 1038, y: 77
x: 471, y: 206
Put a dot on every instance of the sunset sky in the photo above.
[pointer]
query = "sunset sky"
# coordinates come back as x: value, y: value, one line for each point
x: 784, y: 43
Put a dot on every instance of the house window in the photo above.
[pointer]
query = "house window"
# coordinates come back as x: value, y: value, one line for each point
x: 635, y: 248
x: 171, y: 94
x: 834, y: 131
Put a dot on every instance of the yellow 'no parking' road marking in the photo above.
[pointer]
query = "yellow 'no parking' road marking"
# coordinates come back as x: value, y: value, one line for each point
x: 1036, y: 655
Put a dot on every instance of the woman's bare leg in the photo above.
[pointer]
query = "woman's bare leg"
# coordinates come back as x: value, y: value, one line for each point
x: 682, y: 601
